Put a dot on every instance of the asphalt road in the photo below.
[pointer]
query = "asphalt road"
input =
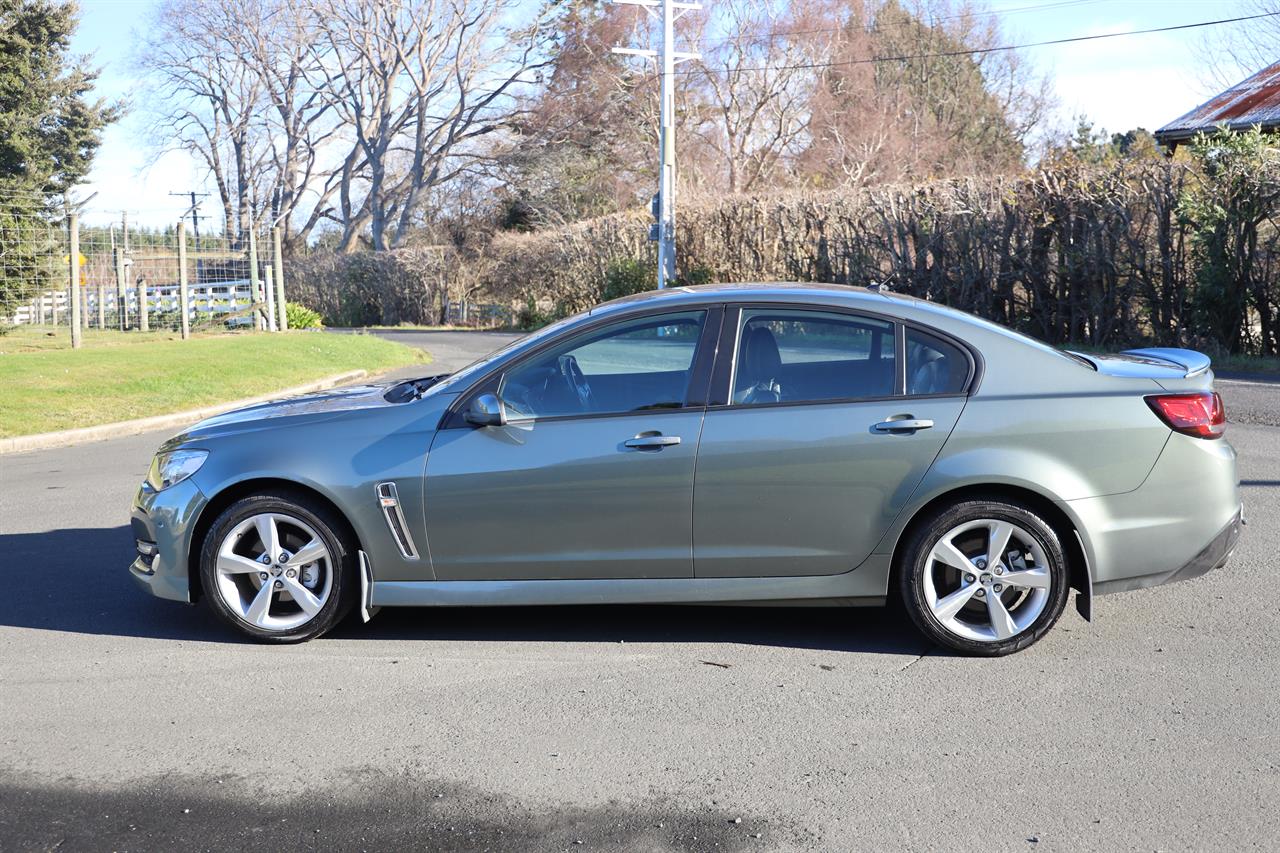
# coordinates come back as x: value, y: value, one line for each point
x: 129, y: 723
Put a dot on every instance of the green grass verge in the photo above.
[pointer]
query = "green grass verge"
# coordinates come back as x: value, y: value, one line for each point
x: 115, y: 377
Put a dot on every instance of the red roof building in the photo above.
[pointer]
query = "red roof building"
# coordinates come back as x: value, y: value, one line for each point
x: 1249, y: 102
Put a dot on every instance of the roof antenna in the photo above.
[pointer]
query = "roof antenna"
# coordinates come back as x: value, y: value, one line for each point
x: 882, y: 286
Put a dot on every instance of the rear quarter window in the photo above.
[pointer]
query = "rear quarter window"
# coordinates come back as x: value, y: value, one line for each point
x: 934, y: 366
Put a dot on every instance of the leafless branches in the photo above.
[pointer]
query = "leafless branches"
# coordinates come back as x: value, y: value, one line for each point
x: 342, y: 110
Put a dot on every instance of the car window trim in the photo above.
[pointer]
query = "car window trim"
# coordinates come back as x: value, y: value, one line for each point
x: 974, y: 357
x: 454, y: 417
x: 720, y: 396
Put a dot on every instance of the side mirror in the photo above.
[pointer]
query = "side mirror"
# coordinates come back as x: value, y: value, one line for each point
x: 486, y: 410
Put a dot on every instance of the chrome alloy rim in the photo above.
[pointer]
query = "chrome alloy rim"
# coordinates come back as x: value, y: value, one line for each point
x: 274, y: 571
x: 987, y: 580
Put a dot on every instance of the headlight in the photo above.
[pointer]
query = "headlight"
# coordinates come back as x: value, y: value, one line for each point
x: 170, y: 468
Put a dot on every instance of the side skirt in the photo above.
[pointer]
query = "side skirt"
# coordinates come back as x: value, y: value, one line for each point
x: 845, y: 589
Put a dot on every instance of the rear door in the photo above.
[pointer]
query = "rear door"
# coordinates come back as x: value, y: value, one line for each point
x: 822, y: 425
x: 592, y: 477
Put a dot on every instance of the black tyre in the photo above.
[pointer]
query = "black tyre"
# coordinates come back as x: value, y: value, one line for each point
x: 984, y: 576
x: 279, y: 567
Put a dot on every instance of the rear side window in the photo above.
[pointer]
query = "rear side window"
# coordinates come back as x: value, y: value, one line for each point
x: 792, y: 356
x: 934, y: 366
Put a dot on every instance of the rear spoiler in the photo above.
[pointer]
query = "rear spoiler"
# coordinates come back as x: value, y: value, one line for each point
x: 1194, y: 363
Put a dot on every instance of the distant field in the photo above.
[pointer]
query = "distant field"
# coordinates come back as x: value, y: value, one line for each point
x: 117, y: 376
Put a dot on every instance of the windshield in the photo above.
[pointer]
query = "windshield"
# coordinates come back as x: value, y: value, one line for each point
x: 456, y: 380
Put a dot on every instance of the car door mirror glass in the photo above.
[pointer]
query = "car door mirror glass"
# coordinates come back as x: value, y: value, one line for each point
x: 486, y: 410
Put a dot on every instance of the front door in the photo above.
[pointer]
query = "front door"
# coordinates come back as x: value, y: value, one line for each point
x: 801, y: 471
x: 592, y: 476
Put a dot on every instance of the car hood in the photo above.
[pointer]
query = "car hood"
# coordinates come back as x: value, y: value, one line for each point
x: 323, y: 405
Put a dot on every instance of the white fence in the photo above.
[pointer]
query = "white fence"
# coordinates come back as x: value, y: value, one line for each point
x: 205, y: 302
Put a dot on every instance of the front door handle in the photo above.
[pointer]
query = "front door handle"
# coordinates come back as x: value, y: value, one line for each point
x: 902, y: 424
x: 651, y: 441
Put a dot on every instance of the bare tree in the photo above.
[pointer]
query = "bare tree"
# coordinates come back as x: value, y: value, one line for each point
x: 911, y: 90
x: 1230, y: 53
x: 231, y: 73
x: 753, y: 88
x: 193, y: 51
x: 418, y: 84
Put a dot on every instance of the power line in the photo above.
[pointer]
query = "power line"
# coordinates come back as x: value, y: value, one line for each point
x: 985, y: 50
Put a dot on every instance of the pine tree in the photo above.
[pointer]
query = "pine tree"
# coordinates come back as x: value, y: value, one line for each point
x: 49, y: 127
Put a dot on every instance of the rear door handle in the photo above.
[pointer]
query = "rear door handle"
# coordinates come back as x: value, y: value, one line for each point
x: 907, y: 424
x: 651, y: 441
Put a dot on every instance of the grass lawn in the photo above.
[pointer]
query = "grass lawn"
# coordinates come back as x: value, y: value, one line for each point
x: 46, y: 386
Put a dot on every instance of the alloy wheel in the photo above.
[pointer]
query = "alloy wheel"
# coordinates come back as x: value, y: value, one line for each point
x: 274, y: 571
x: 987, y: 580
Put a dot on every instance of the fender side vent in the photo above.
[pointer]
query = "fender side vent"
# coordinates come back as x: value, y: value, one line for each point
x: 389, y: 500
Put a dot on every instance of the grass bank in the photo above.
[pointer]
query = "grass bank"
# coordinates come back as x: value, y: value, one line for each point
x: 47, y: 386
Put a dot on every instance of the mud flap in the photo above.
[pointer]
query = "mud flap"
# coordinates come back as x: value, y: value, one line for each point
x: 1084, y: 594
x: 367, y: 610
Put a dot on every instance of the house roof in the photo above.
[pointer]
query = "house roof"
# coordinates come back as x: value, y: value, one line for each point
x: 1255, y: 100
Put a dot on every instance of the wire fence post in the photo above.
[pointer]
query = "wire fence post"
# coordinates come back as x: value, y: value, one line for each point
x: 254, y: 293
x: 102, y: 304
x: 277, y: 260
x: 269, y: 287
x: 184, y: 294
x: 144, y: 317
x: 73, y: 274
x: 122, y: 320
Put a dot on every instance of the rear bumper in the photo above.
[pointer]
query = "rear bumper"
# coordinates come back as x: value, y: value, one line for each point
x: 1213, y: 556
x: 1180, y: 523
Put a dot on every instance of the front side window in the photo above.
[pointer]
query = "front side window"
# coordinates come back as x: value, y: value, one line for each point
x: 793, y: 356
x: 632, y: 366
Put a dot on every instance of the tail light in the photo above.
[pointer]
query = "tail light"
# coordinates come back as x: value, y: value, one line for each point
x: 1201, y: 414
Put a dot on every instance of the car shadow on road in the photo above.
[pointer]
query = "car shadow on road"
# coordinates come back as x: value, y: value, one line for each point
x: 76, y: 580
x: 835, y: 629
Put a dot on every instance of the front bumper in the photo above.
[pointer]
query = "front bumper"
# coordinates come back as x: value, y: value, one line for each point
x: 167, y: 520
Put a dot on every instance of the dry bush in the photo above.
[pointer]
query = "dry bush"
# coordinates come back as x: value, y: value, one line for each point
x: 1077, y: 254
x: 374, y: 288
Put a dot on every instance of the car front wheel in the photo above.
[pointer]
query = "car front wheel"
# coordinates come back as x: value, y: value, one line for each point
x: 984, y: 577
x: 278, y: 567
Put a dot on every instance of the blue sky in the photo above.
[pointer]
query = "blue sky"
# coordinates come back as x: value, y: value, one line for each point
x: 1119, y: 83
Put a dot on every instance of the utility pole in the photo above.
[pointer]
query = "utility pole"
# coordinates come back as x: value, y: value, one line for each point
x: 194, y: 210
x: 664, y: 203
x: 184, y: 292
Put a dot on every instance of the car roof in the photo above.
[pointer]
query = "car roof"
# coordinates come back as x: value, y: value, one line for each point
x: 877, y: 300
x: 750, y: 292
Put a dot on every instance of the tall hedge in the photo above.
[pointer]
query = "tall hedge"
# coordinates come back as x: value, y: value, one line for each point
x: 1080, y: 254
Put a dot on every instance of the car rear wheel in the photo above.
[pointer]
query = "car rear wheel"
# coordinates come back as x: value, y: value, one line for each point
x: 278, y: 567
x: 984, y: 577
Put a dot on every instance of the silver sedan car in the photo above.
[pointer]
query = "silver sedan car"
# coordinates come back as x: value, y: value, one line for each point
x: 732, y: 443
